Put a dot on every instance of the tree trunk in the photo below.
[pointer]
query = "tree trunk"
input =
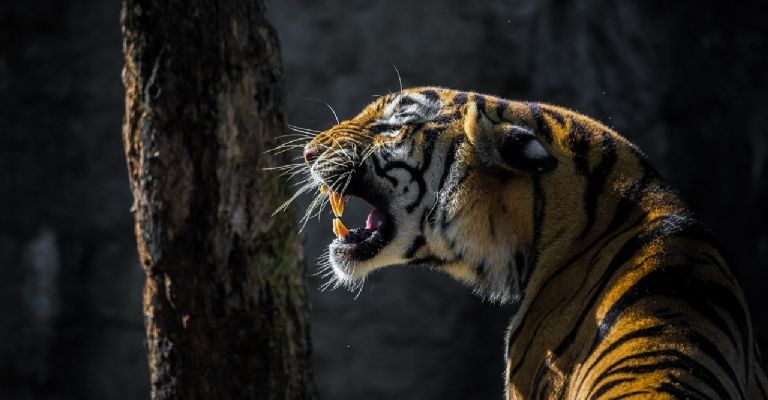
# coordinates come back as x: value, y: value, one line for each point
x: 225, y: 300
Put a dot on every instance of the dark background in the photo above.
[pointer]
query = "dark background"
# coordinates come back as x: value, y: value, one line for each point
x: 685, y: 80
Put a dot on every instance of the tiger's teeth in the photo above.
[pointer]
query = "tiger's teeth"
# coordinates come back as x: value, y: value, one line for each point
x: 337, y: 203
x: 323, y: 188
x: 339, y: 229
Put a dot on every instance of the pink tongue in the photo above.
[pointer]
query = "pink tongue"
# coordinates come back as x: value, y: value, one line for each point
x: 372, y: 223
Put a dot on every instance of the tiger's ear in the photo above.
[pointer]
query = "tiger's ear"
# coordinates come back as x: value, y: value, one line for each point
x: 505, y: 145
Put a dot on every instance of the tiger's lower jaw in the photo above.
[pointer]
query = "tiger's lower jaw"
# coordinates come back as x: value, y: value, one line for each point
x: 348, y: 253
x: 351, y: 256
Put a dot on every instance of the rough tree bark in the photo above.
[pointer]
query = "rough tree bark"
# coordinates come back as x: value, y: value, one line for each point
x: 225, y: 301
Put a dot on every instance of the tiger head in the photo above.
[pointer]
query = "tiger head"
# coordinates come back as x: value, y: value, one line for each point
x: 451, y: 177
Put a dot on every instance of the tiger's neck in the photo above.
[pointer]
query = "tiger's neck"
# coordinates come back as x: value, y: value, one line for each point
x: 545, y: 335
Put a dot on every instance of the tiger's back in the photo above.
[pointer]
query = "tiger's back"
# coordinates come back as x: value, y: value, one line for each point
x: 639, y: 302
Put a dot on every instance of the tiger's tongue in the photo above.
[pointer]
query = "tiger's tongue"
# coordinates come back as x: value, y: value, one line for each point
x: 373, y: 220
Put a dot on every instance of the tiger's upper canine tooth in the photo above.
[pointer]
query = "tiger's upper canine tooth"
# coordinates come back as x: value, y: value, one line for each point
x: 337, y: 203
x: 339, y: 229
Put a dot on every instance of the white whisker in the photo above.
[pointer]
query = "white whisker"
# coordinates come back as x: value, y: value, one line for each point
x: 299, y: 128
x: 399, y: 79
x: 329, y: 107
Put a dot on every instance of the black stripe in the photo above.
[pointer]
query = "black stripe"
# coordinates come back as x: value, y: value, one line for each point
x: 406, y: 101
x: 446, y: 118
x: 404, y: 116
x: 644, y: 333
x: 540, y: 372
x: 655, y: 282
x: 724, y: 270
x: 542, y: 127
x: 577, y: 256
x: 596, y: 182
x: 628, y: 202
x: 556, y: 116
x: 480, y: 101
x: 381, y: 172
x: 428, y: 145
x: 680, y: 361
x: 630, y: 394
x: 481, y: 270
x: 450, y: 158
x: 418, y: 243
x: 578, y: 142
x: 539, y: 203
x: 689, y: 388
x: 491, y: 227
x: 460, y: 98
x: 450, y: 191
x: 672, y: 281
x: 431, y: 261
x: 608, y: 386
x: 676, y: 392
x: 624, y: 255
x: 712, y: 351
x: 561, y: 269
x: 725, y: 298
x: 416, y: 176
x: 521, y: 265
x: 501, y: 106
x: 543, y: 392
x: 380, y: 128
x: 430, y: 94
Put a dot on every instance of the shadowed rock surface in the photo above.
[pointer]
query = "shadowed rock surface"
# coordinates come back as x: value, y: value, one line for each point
x: 684, y: 80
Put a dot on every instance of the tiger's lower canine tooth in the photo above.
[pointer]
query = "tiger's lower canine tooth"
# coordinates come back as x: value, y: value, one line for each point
x: 337, y: 203
x: 339, y: 229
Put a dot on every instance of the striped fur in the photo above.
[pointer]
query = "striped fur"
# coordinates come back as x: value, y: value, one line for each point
x: 621, y: 293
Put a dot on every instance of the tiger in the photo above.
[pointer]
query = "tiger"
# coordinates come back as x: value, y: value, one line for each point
x: 619, y: 291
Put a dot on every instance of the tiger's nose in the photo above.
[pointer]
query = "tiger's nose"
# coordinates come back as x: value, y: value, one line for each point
x: 310, y: 153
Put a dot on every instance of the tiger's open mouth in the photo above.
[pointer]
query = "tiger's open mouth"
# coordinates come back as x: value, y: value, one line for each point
x: 359, y: 244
